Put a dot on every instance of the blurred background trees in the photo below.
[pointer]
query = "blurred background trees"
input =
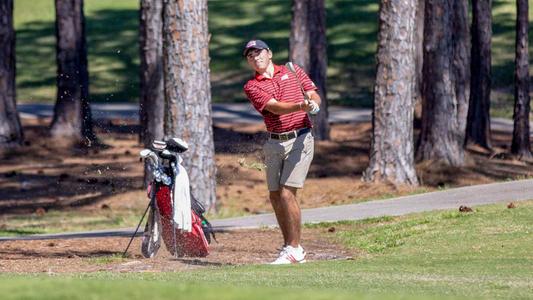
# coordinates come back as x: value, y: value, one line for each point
x: 10, y: 129
x: 521, y: 145
x: 308, y: 49
x: 72, y: 122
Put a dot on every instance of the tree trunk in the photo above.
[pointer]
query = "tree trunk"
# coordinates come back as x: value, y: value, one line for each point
x: 521, y: 145
x: 152, y: 95
x: 478, y: 124
x: 10, y: 128
x: 72, y: 120
x: 308, y: 49
x: 446, y: 82
x: 319, y: 65
x: 391, y: 153
x: 419, y: 57
x: 299, y: 46
x: 187, y: 91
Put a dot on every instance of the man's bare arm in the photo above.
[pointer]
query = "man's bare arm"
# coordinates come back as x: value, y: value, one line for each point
x: 283, y: 108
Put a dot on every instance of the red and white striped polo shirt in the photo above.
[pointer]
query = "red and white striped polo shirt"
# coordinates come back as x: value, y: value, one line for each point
x: 283, y: 87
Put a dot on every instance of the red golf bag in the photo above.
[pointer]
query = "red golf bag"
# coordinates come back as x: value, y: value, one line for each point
x: 165, y: 165
x: 194, y: 243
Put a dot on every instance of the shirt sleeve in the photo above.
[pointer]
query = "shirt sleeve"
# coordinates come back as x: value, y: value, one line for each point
x: 307, y: 83
x: 258, y: 97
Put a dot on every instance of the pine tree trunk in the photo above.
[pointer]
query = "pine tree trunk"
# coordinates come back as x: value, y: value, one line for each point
x: 72, y: 120
x: 187, y: 91
x: 308, y: 49
x: 419, y: 56
x: 521, y: 145
x: 319, y: 65
x: 152, y: 95
x: 478, y: 124
x: 10, y: 128
x: 392, y: 150
x: 446, y: 82
x: 299, y: 45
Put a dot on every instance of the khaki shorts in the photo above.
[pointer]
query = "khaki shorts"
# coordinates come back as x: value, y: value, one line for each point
x: 288, y: 161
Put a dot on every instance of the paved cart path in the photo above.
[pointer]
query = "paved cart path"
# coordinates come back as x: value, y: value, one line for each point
x: 501, y: 192
x: 223, y: 113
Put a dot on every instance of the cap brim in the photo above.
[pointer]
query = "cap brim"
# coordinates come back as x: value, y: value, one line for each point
x: 245, y: 52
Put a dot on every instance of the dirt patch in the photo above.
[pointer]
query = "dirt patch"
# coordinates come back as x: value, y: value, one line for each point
x: 41, y: 176
x: 93, y: 255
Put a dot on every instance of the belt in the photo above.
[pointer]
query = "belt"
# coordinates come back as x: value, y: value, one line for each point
x: 289, y: 135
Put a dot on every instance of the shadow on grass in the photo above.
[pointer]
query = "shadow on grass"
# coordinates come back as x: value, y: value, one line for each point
x: 112, y: 38
x: 351, y: 32
x: 25, y: 192
x: 25, y: 253
x: 14, y: 232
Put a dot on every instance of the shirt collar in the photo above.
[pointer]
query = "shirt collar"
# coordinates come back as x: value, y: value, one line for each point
x: 260, y: 77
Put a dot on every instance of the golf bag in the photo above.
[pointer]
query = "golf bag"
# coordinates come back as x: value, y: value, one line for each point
x: 174, y: 216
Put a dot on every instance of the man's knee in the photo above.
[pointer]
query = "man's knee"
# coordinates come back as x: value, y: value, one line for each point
x: 284, y: 194
x: 288, y: 193
x: 275, y: 196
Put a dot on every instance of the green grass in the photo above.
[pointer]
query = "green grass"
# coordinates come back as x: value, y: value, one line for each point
x: 114, y: 62
x: 103, y: 260
x: 485, y: 254
x: 114, y: 288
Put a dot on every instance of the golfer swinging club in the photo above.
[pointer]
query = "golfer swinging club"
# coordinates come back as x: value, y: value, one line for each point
x: 283, y: 95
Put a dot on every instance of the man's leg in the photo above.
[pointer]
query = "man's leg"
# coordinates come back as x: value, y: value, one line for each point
x: 288, y: 214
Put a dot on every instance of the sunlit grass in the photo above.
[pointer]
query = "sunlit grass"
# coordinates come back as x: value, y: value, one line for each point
x: 485, y: 254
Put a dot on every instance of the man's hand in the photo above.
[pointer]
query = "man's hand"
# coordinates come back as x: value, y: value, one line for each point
x: 306, y: 106
x: 315, y: 108
x: 313, y: 95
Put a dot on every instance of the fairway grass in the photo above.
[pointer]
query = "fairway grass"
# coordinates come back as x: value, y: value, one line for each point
x: 485, y: 254
x: 72, y: 289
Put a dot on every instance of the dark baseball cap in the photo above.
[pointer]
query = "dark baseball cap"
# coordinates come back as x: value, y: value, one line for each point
x: 254, y: 44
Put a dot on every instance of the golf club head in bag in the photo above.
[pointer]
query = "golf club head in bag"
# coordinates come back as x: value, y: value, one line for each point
x: 292, y: 68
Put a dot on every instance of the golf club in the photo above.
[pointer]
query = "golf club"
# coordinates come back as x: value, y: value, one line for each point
x: 291, y: 68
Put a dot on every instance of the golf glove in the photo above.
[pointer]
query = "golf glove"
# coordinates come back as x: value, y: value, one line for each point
x: 315, y: 108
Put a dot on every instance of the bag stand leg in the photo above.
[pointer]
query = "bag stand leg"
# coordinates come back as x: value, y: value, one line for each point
x: 137, y: 229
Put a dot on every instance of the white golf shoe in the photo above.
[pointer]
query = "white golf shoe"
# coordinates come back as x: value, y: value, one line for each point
x: 290, y: 255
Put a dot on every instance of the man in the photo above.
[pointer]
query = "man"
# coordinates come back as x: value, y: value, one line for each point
x: 275, y: 92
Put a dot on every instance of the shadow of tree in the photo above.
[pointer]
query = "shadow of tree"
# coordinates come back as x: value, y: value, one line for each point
x: 112, y: 37
x: 231, y: 141
x: 351, y: 32
x: 113, y: 55
x: 26, y: 253
x: 25, y: 191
